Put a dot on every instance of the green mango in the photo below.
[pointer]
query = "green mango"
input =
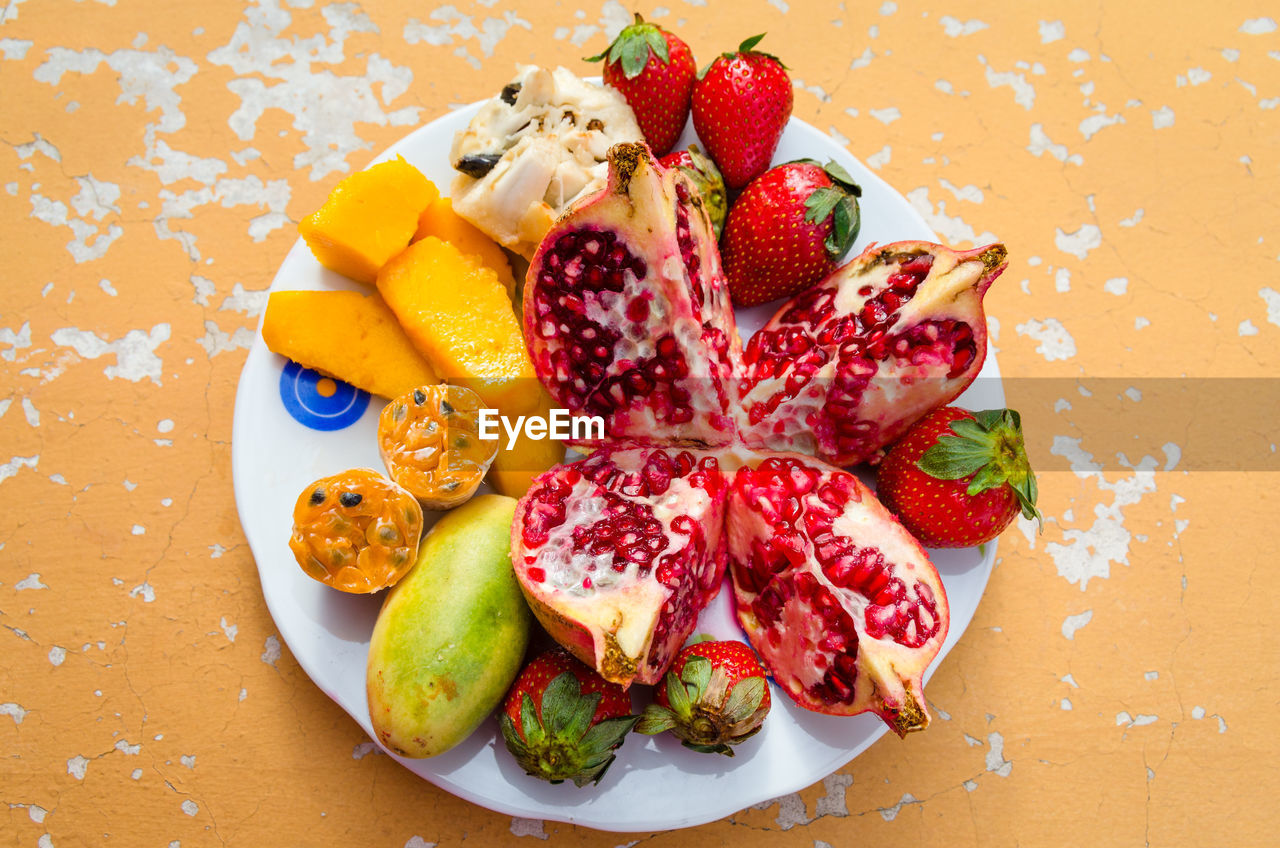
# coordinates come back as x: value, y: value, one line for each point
x: 451, y: 634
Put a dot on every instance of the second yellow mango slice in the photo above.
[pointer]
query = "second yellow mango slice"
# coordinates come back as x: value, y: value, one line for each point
x: 458, y: 315
x: 441, y: 221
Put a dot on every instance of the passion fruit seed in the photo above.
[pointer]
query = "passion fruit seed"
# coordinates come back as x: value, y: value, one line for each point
x: 317, y: 497
x: 418, y: 397
x: 349, y: 499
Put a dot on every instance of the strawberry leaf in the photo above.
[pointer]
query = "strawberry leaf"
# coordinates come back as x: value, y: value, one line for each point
x: 989, y: 418
x: 953, y: 460
x: 678, y: 696
x: 607, y: 735
x: 655, y: 719
x: 697, y: 674
x: 748, y: 47
x: 530, y: 726
x: 509, y: 735
x: 635, y: 53
x: 709, y: 749
x: 744, y: 699
x: 558, y: 702
x: 658, y: 44
x: 972, y: 430
x: 630, y: 50
x: 845, y: 225
x: 989, y: 476
x: 839, y: 175
x: 580, y: 715
x: 820, y: 203
x: 597, y: 748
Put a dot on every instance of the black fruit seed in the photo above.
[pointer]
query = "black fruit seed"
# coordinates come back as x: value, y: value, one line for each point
x: 477, y: 164
x: 317, y: 497
x: 350, y: 498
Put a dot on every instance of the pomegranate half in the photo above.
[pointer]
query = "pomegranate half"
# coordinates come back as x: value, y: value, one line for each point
x: 619, y: 552
x: 627, y: 314
x: 843, y: 369
x: 839, y: 600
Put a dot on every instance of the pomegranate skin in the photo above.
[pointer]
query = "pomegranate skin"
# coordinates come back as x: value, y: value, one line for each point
x: 844, y: 368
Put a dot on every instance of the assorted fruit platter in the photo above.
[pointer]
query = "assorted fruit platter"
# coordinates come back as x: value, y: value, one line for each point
x: 706, y: 585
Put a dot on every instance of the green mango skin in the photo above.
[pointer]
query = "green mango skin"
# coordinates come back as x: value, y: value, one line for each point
x: 451, y: 634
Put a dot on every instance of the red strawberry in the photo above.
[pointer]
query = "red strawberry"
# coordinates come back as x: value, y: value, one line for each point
x: 562, y: 721
x: 655, y: 71
x: 741, y: 104
x: 788, y: 230
x: 714, y: 696
x: 957, y: 478
x: 706, y: 176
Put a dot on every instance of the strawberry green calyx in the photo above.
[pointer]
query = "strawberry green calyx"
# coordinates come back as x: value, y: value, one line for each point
x: 557, y: 741
x: 839, y: 201
x: 632, y: 46
x: 707, y: 712
x: 989, y: 447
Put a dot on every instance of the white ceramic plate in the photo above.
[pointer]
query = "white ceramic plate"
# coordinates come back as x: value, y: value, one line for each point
x: 655, y: 784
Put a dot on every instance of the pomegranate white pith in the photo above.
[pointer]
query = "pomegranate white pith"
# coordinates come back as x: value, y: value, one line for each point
x: 841, y: 603
x: 619, y: 552
x: 626, y: 312
x: 842, y: 370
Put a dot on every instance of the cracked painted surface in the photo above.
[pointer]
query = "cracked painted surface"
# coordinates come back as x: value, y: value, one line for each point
x: 154, y: 164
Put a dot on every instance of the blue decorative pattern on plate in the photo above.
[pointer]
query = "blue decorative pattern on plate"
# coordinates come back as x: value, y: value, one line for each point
x: 320, y: 402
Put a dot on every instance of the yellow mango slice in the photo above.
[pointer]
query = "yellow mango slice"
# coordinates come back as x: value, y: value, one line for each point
x: 441, y: 221
x: 513, y: 470
x: 369, y: 218
x: 457, y: 314
x: 348, y: 335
